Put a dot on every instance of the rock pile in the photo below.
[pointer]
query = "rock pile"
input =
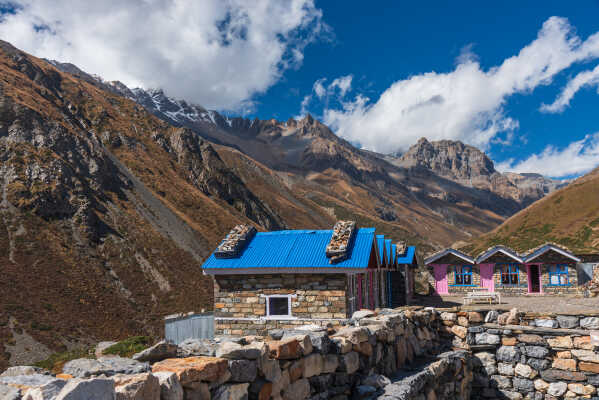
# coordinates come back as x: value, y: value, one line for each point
x: 338, y: 247
x: 591, y: 288
x: 235, y: 241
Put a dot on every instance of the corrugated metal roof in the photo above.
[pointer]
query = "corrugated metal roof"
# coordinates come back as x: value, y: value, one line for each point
x: 296, y: 249
x: 380, y: 241
x: 409, y: 257
x: 393, y: 253
x: 388, y: 250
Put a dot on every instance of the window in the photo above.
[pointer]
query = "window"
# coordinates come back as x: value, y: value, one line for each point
x: 509, y: 274
x: 558, y: 275
x: 278, y: 306
x: 463, y: 275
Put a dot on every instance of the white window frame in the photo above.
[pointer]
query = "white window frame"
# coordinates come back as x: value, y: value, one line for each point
x: 289, y: 298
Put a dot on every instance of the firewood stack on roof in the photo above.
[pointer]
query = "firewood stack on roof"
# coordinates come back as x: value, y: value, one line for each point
x: 338, y: 247
x: 235, y: 241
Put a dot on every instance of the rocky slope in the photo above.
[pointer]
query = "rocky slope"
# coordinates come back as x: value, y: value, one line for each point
x: 471, y: 167
x: 569, y: 216
x: 106, y: 212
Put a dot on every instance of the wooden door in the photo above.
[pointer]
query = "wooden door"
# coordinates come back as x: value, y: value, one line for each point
x: 441, y: 286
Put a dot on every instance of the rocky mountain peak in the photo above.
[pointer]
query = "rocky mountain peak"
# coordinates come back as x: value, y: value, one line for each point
x: 448, y: 158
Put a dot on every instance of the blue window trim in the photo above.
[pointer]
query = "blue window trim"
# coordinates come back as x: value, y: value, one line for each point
x: 468, y: 268
x: 560, y: 269
x: 513, y: 268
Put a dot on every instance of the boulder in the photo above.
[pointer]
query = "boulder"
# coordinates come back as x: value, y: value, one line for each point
x: 45, y: 392
x: 491, y: 316
x: 22, y: 370
x: 261, y: 390
x: 313, y: 365
x: 231, y: 391
x: 170, y: 387
x: 84, y: 367
x: 194, y: 369
x: 341, y: 345
x: 305, y: 344
x: 296, y: 370
x: 330, y: 363
x: 567, y: 321
x: 546, y: 323
x: 198, y: 391
x: 243, y: 370
x: 356, y: 335
x: 270, y: 369
x: 487, y: 338
x: 196, y: 347
x: 235, y: 351
x: 100, y: 347
x: 87, y: 389
x: 158, y: 352
x: 298, y: 390
x: 536, y: 351
x: 137, y: 387
x: 557, y: 388
x: 27, y: 381
x: 589, y: 323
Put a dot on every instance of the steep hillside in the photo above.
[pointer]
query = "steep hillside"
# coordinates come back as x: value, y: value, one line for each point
x: 106, y: 212
x: 569, y: 216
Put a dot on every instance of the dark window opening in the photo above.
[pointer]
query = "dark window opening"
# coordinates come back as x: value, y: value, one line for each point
x: 278, y: 306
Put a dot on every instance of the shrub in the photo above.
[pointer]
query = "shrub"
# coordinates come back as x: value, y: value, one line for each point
x: 129, y: 346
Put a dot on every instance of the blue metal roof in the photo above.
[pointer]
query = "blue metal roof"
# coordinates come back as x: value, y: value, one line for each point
x: 393, y: 253
x: 388, y: 250
x: 409, y: 257
x: 380, y: 241
x: 296, y: 249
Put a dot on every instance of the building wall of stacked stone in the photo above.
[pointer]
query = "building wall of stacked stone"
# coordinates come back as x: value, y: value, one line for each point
x: 240, y: 302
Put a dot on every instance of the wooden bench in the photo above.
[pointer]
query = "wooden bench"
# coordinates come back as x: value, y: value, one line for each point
x: 478, y: 294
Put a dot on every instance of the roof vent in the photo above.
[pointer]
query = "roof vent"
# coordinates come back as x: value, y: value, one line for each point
x: 338, y: 247
x: 235, y: 241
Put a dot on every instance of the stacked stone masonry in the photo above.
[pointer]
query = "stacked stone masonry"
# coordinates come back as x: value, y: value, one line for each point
x: 392, y: 355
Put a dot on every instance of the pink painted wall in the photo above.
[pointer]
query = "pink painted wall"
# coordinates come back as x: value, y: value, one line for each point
x: 440, y: 274
x: 486, y: 276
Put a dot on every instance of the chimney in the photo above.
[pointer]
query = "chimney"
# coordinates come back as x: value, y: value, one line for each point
x: 339, y: 245
x: 235, y: 241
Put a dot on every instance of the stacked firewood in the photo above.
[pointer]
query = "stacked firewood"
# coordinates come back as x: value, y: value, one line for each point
x: 401, y: 248
x: 235, y: 241
x: 591, y: 288
x: 338, y: 247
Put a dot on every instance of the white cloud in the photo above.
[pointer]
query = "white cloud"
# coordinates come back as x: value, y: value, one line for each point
x: 586, y: 78
x: 337, y: 90
x: 577, y: 158
x: 218, y: 53
x: 465, y: 104
x: 342, y: 83
x: 319, y: 88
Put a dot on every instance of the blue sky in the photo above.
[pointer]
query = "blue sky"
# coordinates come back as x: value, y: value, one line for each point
x: 381, y: 74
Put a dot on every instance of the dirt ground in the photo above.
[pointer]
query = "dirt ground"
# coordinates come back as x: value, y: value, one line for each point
x: 544, y: 304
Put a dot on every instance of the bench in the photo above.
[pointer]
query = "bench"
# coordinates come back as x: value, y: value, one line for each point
x: 478, y: 294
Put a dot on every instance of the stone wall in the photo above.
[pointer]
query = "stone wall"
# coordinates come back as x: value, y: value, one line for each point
x: 534, y: 356
x: 240, y: 303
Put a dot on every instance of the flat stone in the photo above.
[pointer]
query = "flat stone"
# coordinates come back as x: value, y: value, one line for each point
x: 137, y: 387
x: 197, y: 347
x: 285, y: 349
x: 583, y: 342
x: 475, y: 329
x: 170, y: 387
x: 567, y: 364
x: 194, y: 369
x: 523, y: 385
x: 508, y: 341
x: 355, y: 335
x: 157, y: 352
x: 235, y: 351
x: 84, y: 367
x: 22, y: 370
x: 505, y: 369
x: 567, y: 321
x: 554, y: 375
x: 358, y: 315
x: 459, y: 331
x: 546, y: 323
x: 589, y: 323
x: 557, y: 388
x: 243, y: 370
x: 531, y: 339
x: 586, y: 355
x: 491, y: 316
x: 231, y: 391
x: 588, y: 367
x: 27, y: 381
x: 538, y: 364
x: 48, y: 391
x: 88, y: 389
x: 508, y: 354
x: 560, y: 342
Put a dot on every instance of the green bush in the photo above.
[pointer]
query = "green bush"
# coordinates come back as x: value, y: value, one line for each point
x: 56, y: 361
x: 129, y: 346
